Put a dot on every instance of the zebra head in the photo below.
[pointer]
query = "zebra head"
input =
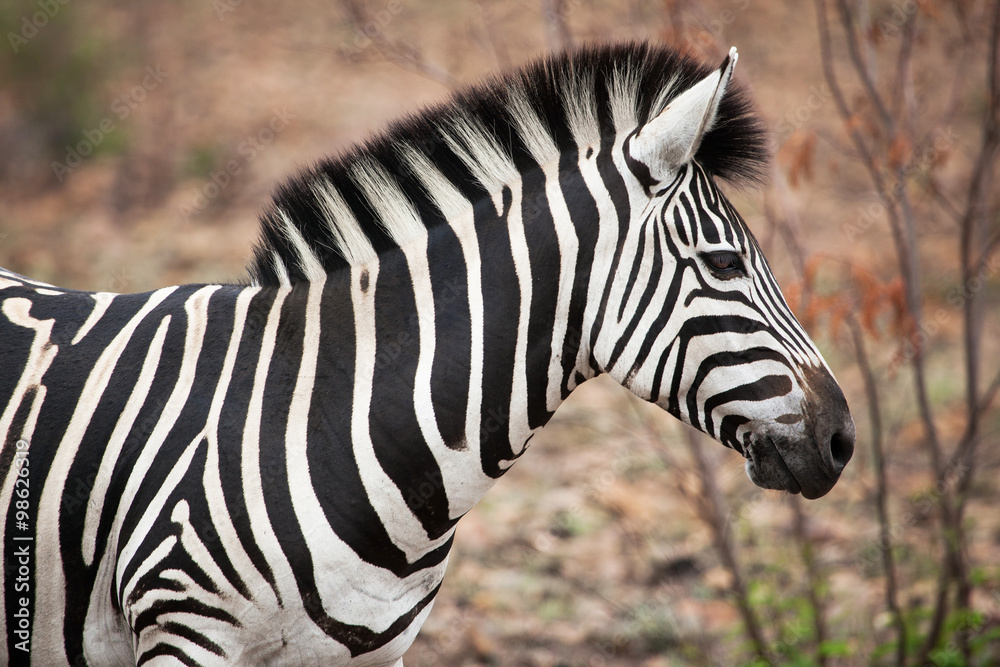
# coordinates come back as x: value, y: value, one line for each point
x: 695, y: 321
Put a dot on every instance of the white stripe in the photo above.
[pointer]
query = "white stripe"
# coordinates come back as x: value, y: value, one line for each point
x: 461, y: 469
x: 348, y: 236
x: 569, y: 246
x: 280, y: 269
x: 196, y: 309
x: 623, y: 92
x: 311, y: 267
x: 580, y: 104
x: 192, y: 544
x: 50, y: 599
x: 348, y: 586
x: 154, y: 558
x: 212, y: 479
x: 481, y: 154
x: 253, y: 487
x: 394, y: 209
x: 101, y: 302
x: 518, y: 428
x: 386, y: 498
x: 137, y: 397
x: 459, y: 212
x: 607, y: 237
x: 151, y: 514
x: 534, y: 133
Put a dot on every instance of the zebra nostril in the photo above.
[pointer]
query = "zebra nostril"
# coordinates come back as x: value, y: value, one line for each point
x: 841, y: 449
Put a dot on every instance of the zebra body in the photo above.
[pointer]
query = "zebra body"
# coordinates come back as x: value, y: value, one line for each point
x: 273, y: 472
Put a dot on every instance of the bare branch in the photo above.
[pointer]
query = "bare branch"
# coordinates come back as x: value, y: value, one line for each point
x: 859, y: 65
x: 882, y: 488
x: 715, y: 517
x: 560, y: 38
x: 976, y: 212
x: 814, y: 576
x: 402, y: 54
x: 497, y: 45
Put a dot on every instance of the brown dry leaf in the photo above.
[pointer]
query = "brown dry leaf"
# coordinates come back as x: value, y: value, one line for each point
x: 871, y: 305
x: 811, y: 269
x: 813, y: 310
x: 901, y: 324
x: 798, y: 155
x: 900, y: 151
x: 854, y: 122
x: 930, y: 8
x: 837, y: 316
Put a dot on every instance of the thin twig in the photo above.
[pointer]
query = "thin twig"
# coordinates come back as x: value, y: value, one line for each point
x: 497, y: 44
x: 714, y: 514
x: 902, y: 224
x: 859, y: 65
x: 814, y: 576
x: 560, y: 37
x: 399, y: 53
x: 882, y: 488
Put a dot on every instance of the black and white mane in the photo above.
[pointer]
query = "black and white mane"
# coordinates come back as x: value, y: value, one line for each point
x: 548, y: 110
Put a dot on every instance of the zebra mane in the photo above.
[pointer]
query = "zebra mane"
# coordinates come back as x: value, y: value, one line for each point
x: 346, y: 210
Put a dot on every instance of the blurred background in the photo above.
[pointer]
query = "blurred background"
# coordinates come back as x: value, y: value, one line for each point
x: 139, y: 140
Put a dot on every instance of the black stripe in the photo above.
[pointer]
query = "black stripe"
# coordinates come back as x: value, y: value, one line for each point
x: 639, y: 169
x: 450, y: 373
x: 679, y: 225
x: 704, y: 326
x: 543, y: 256
x: 232, y: 422
x: 583, y: 212
x: 162, y: 649
x: 164, y: 607
x: 395, y: 432
x: 618, y: 192
x: 193, y: 636
x: 761, y: 389
x: 725, y: 359
x: 727, y: 432
x: 645, y: 300
x: 656, y: 326
x: 633, y: 276
x: 501, y: 300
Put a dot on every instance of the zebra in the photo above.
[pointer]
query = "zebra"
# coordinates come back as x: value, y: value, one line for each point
x: 272, y: 471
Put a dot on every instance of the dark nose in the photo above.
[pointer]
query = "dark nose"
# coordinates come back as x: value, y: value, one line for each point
x: 832, y: 425
x: 841, y: 448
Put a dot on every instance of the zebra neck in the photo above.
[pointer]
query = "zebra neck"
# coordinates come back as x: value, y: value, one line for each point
x: 454, y: 350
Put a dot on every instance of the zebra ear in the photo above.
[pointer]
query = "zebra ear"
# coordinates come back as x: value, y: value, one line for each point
x: 671, y: 139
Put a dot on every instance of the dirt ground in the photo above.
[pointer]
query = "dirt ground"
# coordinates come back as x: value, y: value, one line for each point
x: 591, y: 550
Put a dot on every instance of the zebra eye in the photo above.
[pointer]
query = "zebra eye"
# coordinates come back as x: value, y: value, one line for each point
x: 724, y: 264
